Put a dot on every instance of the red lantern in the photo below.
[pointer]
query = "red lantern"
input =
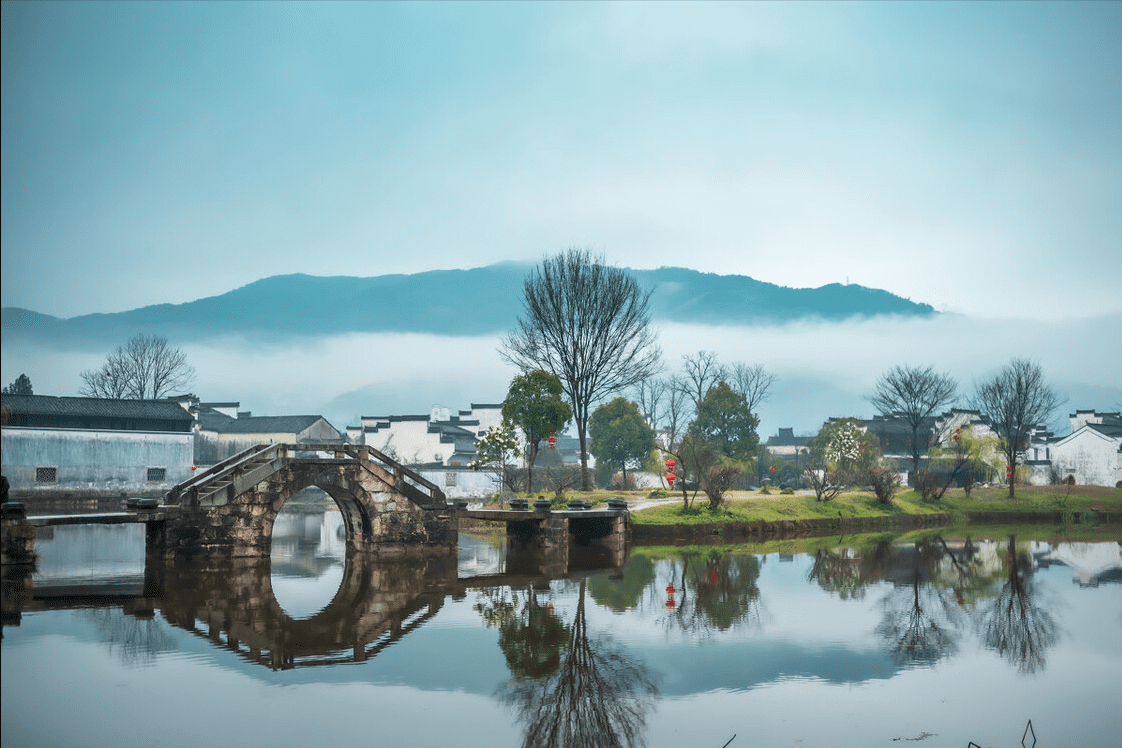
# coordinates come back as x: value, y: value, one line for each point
x: 194, y: 468
x: 670, y: 595
x: 670, y: 478
x: 552, y: 440
x: 956, y: 435
x: 670, y: 463
x: 772, y: 468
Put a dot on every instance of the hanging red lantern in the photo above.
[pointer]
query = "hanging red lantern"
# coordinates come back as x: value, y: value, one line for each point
x: 670, y: 478
x: 670, y: 463
x: 552, y: 440
x: 194, y: 468
x: 772, y: 468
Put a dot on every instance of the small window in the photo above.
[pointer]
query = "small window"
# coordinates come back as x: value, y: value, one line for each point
x: 157, y: 475
x: 449, y: 479
x: 46, y: 475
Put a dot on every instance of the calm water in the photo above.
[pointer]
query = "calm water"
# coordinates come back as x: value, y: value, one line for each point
x: 864, y: 644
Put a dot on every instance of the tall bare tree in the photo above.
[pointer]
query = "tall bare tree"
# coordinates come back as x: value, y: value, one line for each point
x: 1016, y: 400
x: 589, y: 325
x: 754, y: 382
x: 700, y: 371
x: 145, y: 368
x: 914, y: 395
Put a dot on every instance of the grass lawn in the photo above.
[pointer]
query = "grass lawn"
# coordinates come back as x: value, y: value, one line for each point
x: 752, y: 506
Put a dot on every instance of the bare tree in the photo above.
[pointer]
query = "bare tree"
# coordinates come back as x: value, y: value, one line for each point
x: 754, y: 382
x: 145, y: 368
x: 650, y: 396
x: 914, y: 395
x: 700, y: 372
x: 589, y: 325
x: 1016, y: 401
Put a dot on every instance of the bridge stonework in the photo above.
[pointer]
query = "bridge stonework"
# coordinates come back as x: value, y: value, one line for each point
x: 382, y: 513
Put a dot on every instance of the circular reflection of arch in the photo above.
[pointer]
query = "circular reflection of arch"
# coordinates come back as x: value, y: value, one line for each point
x: 233, y: 604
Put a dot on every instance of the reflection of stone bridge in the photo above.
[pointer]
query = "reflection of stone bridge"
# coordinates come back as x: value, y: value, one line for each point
x: 231, y: 601
x: 230, y: 508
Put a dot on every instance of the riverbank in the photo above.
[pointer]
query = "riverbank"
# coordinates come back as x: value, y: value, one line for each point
x: 755, y: 515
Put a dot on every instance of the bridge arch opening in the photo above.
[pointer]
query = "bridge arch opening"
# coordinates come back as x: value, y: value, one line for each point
x: 308, y: 553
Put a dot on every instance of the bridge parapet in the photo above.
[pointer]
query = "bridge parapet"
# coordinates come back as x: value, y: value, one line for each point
x: 231, y: 507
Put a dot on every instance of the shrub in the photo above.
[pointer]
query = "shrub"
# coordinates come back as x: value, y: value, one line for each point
x: 885, y: 481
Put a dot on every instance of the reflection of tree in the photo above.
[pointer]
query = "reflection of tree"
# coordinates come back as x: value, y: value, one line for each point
x: 136, y: 640
x: 921, y: 620
x: 1014, y: 626
x: 599, y: 696
x: 623, y: 591
x: 716, y: 591
x: 531, y: 636
x: 849, y: 571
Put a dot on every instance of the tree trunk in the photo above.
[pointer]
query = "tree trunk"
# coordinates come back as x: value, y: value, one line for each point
x: 584, y: 483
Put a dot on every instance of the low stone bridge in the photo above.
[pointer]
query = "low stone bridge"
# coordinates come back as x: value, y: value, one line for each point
x: 230, y: 508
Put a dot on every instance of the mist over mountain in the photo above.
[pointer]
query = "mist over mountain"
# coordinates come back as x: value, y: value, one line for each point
x: 479, y: 301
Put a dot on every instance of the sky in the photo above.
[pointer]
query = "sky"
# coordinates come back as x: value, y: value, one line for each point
x: 965, y: 155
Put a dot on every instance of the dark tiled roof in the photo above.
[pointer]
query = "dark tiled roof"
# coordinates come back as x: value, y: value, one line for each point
x: 270, y: 424
x: 95, y: 407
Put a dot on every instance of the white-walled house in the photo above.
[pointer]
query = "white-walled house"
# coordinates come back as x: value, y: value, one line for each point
x: 1092, y: 452
x: 440, y: 446
x: 94, y: 447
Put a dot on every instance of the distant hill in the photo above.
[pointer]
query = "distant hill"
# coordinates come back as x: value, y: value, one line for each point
x: 444, y: 302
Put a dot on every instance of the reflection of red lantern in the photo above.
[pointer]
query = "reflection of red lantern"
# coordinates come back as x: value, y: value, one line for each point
x: 670, y: 595
x: 670, y: 478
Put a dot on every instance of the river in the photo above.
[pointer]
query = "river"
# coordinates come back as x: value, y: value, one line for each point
x: 869, y: 641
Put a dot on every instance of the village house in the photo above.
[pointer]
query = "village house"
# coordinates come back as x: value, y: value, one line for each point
x: 1092, y: 453
x: 94, y: 447
x: 223, y: 431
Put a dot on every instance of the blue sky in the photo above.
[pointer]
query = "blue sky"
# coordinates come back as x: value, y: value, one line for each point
x: 966, y: 155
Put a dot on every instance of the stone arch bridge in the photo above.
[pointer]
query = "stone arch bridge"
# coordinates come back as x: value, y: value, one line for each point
x: 230, y: 508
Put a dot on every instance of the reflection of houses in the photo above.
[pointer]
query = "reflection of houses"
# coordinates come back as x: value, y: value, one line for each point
x: 54, y: 446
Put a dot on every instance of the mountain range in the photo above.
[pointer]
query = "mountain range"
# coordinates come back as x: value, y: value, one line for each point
x: 479, y: 301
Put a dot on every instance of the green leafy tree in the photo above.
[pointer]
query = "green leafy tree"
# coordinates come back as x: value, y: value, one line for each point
x: 22, y: 386
x: 723, y: 418
x: 724, y: 440
x: 495, y: 450
x: 619, y: 435
x: 535, y: 403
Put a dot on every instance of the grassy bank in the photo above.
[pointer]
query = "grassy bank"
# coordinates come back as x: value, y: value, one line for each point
x: 1079, y: 504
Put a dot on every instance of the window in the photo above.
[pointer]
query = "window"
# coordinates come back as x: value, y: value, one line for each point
x: 157, y: 475
x: 449, y: 479
x: 46, y: 475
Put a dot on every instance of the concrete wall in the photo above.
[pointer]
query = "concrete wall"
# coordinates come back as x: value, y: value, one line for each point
x: 95, y: 462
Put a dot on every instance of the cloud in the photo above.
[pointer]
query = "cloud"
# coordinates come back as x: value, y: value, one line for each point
x: 822, y: 369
